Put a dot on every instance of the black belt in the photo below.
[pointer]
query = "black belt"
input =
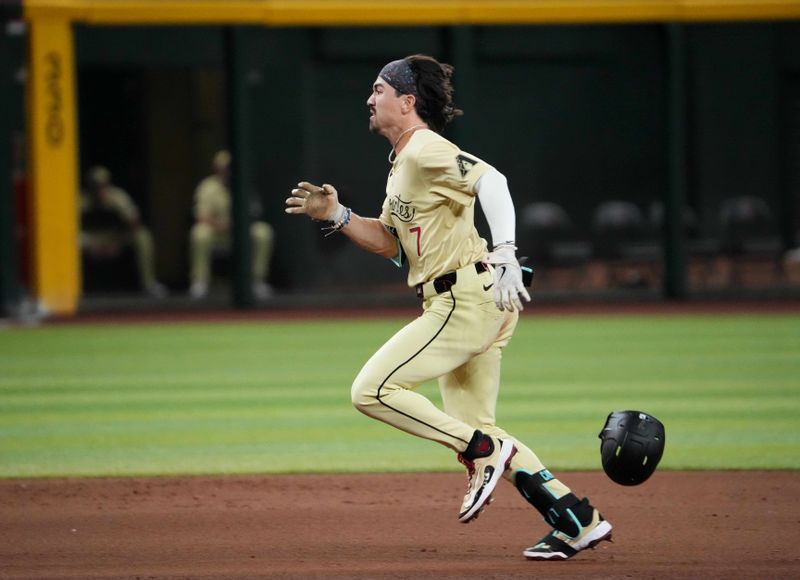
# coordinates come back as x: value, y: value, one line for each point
x: 444, y: 282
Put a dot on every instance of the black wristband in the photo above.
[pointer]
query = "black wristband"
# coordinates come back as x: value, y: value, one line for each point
x: 335, y: 226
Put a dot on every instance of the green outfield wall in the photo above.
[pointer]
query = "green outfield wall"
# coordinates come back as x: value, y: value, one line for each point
x: 682, y: 103
x: 571, y: 114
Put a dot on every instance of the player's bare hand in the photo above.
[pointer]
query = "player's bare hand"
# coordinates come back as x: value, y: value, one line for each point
x: 317, y: 202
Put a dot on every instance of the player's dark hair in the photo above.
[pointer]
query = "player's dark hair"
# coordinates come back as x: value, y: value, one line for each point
x: 434, y: 91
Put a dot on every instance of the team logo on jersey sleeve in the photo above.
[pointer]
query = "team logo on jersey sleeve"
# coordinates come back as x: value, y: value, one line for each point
x: 402, y: 210
x: 465, y: 164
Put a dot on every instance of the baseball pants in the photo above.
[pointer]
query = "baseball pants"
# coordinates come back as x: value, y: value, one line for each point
x: 203, y: 241
x: 458, y: 339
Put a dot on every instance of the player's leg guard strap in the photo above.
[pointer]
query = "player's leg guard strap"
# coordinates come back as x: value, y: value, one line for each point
x: 567, y: 514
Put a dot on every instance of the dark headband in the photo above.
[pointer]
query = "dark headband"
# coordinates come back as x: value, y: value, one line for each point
x: 400, y: 76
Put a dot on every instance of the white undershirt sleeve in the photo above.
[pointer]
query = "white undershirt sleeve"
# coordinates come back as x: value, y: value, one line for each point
x: 497, y: 206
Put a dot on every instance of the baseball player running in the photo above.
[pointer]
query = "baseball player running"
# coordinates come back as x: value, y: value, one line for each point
x: 471, y: 299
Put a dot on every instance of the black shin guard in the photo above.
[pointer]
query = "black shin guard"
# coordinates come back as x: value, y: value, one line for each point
x: 567, y: 514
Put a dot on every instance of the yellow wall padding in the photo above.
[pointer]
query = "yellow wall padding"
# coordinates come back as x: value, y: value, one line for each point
x: 53, y: 171
x: 408, y: 12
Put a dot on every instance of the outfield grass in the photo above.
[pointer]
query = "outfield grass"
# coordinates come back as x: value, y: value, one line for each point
x: 275, y: 396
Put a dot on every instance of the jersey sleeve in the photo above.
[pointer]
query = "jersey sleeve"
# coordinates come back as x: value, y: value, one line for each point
x: 386, y: 214
x: 450, y: 172
x: 204, y: 201
x: 386, y: 219
x: 124, y: 206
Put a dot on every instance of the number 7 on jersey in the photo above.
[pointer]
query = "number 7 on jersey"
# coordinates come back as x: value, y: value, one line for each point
x: 417, y: 230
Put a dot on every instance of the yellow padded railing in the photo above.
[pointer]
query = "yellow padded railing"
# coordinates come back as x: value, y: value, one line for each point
x: 408, y: 12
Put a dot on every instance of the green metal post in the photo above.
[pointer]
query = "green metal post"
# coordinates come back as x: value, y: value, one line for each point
x: 675, y: 286
x: 460, y: 43
x: 238, y: 114
x: 11, y: 111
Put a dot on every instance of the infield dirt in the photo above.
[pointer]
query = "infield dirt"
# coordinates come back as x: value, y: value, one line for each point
x: 389, y: 526
x: 677, y: 525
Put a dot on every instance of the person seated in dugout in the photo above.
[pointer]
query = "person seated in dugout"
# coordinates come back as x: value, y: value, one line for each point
x: 111, y: 222
x: 212, y: 232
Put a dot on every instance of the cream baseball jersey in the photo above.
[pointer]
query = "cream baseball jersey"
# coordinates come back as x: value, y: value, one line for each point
x: 115, y: 201
x: 212, y: 199
x: 430, y: 206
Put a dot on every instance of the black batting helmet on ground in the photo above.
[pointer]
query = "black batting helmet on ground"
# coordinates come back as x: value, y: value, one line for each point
x: 631, y: 445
